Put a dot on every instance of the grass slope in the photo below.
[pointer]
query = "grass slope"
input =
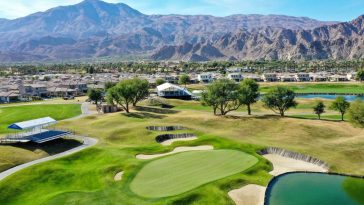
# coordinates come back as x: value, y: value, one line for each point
x: 10, y: 115
x: 177, y: 174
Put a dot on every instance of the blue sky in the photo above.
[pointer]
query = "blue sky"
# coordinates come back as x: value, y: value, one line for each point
x: 331, y: 10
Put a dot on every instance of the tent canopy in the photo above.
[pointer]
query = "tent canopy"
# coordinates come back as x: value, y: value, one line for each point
x: 32, y: 123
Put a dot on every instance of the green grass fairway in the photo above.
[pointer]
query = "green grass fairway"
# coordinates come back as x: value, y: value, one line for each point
x: 10, y: 115
x: 177, y: 174
x: 352, y: 88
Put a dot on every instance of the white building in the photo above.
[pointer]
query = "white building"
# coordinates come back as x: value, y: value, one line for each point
x: 351, y: 76
x: 237, y: 77
x: 287, y: 78
x: 168, y: 90
x: 302, y: 77
x: 205, y: 77
x: 270, y: 77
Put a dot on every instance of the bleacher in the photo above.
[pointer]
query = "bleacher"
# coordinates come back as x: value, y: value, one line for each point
x: 48, y: 136
x: 34, y: 131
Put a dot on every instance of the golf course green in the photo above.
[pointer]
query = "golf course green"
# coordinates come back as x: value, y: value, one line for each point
x: 182, y: 172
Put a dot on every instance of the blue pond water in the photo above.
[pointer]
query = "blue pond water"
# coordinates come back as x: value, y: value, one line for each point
x: 315, y: 189
x: 330, y: 96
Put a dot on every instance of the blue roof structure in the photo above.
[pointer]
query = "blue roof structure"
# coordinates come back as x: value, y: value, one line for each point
x: 32, y: 123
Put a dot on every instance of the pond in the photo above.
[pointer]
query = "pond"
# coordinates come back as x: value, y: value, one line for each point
x: 330, y: 96
x: 315, y: 189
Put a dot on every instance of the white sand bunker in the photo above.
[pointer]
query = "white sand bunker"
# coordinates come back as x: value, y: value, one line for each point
x: 176, y: 150
x: 254, y: 194
x: 169, y: 142
x: 248, y: 195
x: 118, y: 176
x: 283, y: 165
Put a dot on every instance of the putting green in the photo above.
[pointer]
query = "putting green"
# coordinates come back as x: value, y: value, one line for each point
x: 182, y: 172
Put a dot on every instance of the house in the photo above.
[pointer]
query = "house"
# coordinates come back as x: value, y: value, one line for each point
x: 168, y: 90
x: 270, y: 77
x: 171, y: 79
x: 351, y: 76
x: 39, y: 90
x: 338, y: 78
x: 302, y: 77
x: 237, y: 77
x: 7, y: 97
x: 318, y: 77
x: 253, y: 77
x: 287, y: 78
x: 205, y: 78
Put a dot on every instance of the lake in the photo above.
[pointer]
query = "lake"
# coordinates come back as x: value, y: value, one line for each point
x: 315, y: 189
x: 329, y: 96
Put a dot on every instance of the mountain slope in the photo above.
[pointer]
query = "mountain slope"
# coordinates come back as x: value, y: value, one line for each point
x: 338, y: 41
x: 95, y: 28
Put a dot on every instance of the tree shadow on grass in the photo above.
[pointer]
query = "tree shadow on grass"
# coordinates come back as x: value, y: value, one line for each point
x: 51, y: 147
x: 315, y: 119
x: 143, y: 115
x: 261, y: 117
x: 156, y: 110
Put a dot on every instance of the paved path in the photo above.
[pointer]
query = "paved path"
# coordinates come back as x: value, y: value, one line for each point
x: 87, y: 142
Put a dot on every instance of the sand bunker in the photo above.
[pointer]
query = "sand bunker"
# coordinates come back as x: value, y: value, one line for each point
x: 254, y: 194
x: 283, y: 165
x: 248, y: 195
x: 176, y: 150
x: 118, y: 176
x: 169, y: 142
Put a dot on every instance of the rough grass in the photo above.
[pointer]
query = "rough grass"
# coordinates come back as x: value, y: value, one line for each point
x: 10, y: 115
x: 177, y: 174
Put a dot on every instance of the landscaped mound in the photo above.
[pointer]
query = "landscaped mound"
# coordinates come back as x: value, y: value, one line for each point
x: 165, y: 128
x: 162, y: 138
x: 182, y: 172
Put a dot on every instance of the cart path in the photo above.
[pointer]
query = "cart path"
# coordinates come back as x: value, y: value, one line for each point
x: 87, y: 142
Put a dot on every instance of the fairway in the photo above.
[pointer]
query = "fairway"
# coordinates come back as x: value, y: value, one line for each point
x: 180, y: 173
x: 14, y: 114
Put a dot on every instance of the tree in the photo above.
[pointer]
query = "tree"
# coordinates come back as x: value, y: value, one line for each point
x: 160, y: 81
x: 109, y: 85
x: 184, y: 79
x: 250, y: 93
x: 141, y: 90
x: 341, y: 105
x: 360, y: 75
x: 356, y: 113
x: 319, y: 108
x: 222, y: 95
x: 279, y: 100
x: 96, y: 95
x: 128, y: 92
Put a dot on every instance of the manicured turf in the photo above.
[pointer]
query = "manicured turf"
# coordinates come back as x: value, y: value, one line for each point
x: 348, y: 88
x: 14, y: 114
x: 183, y: 172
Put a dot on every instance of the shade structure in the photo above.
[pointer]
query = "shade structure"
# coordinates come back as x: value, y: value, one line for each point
x: 32, y: 123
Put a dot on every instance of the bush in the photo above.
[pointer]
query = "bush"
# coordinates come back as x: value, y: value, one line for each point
x: 356, y: 113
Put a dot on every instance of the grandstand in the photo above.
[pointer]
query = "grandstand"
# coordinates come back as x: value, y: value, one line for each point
x: 37, y: 131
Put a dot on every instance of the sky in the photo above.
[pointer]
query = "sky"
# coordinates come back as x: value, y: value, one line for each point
x: 328, y: 10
